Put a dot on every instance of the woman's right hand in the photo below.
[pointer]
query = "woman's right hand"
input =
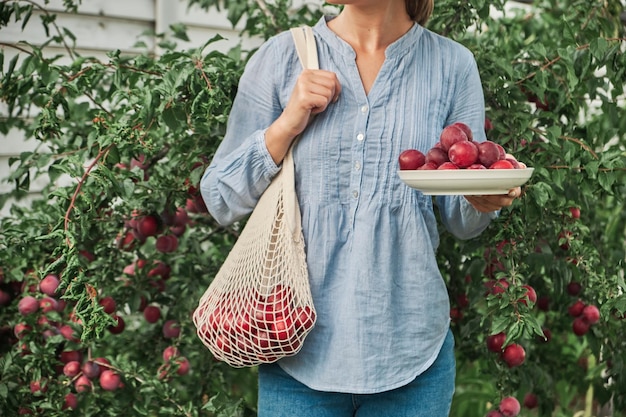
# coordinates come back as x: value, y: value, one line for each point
x: 313, y: 92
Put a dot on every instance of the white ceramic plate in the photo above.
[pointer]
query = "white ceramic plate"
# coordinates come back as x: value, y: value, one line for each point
x: 465, y: 181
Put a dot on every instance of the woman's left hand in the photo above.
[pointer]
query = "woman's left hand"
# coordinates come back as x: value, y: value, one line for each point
x: 489, y: 203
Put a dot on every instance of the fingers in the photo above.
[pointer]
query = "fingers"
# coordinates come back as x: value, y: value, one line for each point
x: 515, y: 192
x: 324, y: 83
x: 316, y: 89
x: 313, y: 92
x: 486, y: 204
x: 489, y: 203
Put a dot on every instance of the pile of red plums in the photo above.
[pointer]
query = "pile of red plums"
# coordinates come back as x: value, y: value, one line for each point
x: 456, y: 149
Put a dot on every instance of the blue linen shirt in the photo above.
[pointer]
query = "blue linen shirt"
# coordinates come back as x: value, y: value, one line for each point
x: 382, y: 305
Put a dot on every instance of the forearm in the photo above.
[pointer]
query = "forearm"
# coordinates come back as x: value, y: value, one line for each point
x: 461, y: 219
x: 278, y: 139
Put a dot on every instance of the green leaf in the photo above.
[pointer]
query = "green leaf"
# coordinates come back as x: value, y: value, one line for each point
x: 180, y: 31
x: 69, y: 34
x: 174, y: 118
x: 598, y: 48
x: 540, y: 193
x: 592, y: 168
x: 140, y: 45
x: 572, y: 77
x: 26, y: 17
x: 500, y: 324
x: 152, y: 101
x: 554, y: 133
x: 534, y: 325
x: 214, y: 39
x: 540, y: 49
x: 128, y: 187
x: 12, y: 64
x: 606, y: 180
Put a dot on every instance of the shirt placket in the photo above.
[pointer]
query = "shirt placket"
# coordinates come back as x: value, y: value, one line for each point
x: 358, y: 151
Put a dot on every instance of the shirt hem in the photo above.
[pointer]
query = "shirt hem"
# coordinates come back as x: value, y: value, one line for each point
x: 377, y: 390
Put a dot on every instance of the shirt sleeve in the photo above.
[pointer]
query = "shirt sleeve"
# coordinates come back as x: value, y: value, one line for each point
x: 458, y: 216
x: 242, y: 167
x: 461, y: 219
x: 468, y: 105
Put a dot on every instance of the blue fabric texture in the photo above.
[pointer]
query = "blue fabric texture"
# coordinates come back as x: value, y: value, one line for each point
x: 382, y: 305
x: 429, y: 395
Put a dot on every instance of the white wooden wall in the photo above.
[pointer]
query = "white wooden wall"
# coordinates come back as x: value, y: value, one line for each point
x: 105, y: 25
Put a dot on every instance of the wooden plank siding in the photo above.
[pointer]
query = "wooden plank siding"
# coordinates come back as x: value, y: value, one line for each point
x: 101, y: 26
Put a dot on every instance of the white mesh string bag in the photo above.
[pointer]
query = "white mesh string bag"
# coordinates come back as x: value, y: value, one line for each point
x: 259, y: 307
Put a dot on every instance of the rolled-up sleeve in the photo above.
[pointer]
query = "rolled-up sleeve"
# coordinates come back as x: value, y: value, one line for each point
x: 232, y: 187
x: 461, y: 219
x: 458, y: 216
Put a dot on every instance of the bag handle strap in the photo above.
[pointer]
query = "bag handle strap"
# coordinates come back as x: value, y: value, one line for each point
x: 304, y: 40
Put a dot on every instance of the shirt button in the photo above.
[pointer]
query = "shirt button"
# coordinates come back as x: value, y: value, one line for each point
x: 364, y: 109
x: 360, y: 137
x: 355, y: 193
x: 357, y: 166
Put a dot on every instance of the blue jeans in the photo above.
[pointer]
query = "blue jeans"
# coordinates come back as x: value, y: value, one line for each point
x: 428, y: 395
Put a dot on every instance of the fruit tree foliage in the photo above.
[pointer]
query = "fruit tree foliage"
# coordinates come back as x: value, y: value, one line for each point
x: 123, y: 142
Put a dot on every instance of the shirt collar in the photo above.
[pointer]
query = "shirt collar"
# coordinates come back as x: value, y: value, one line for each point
x: 397, y: 48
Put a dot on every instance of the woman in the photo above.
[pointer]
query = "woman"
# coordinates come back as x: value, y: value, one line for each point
x: 382, y: 345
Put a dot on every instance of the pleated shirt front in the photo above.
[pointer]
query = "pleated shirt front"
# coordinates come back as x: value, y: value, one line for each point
x: 382, y: 305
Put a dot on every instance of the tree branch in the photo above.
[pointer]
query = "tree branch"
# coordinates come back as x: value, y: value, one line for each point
x: 66, y: 224
x: 56, y: 27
